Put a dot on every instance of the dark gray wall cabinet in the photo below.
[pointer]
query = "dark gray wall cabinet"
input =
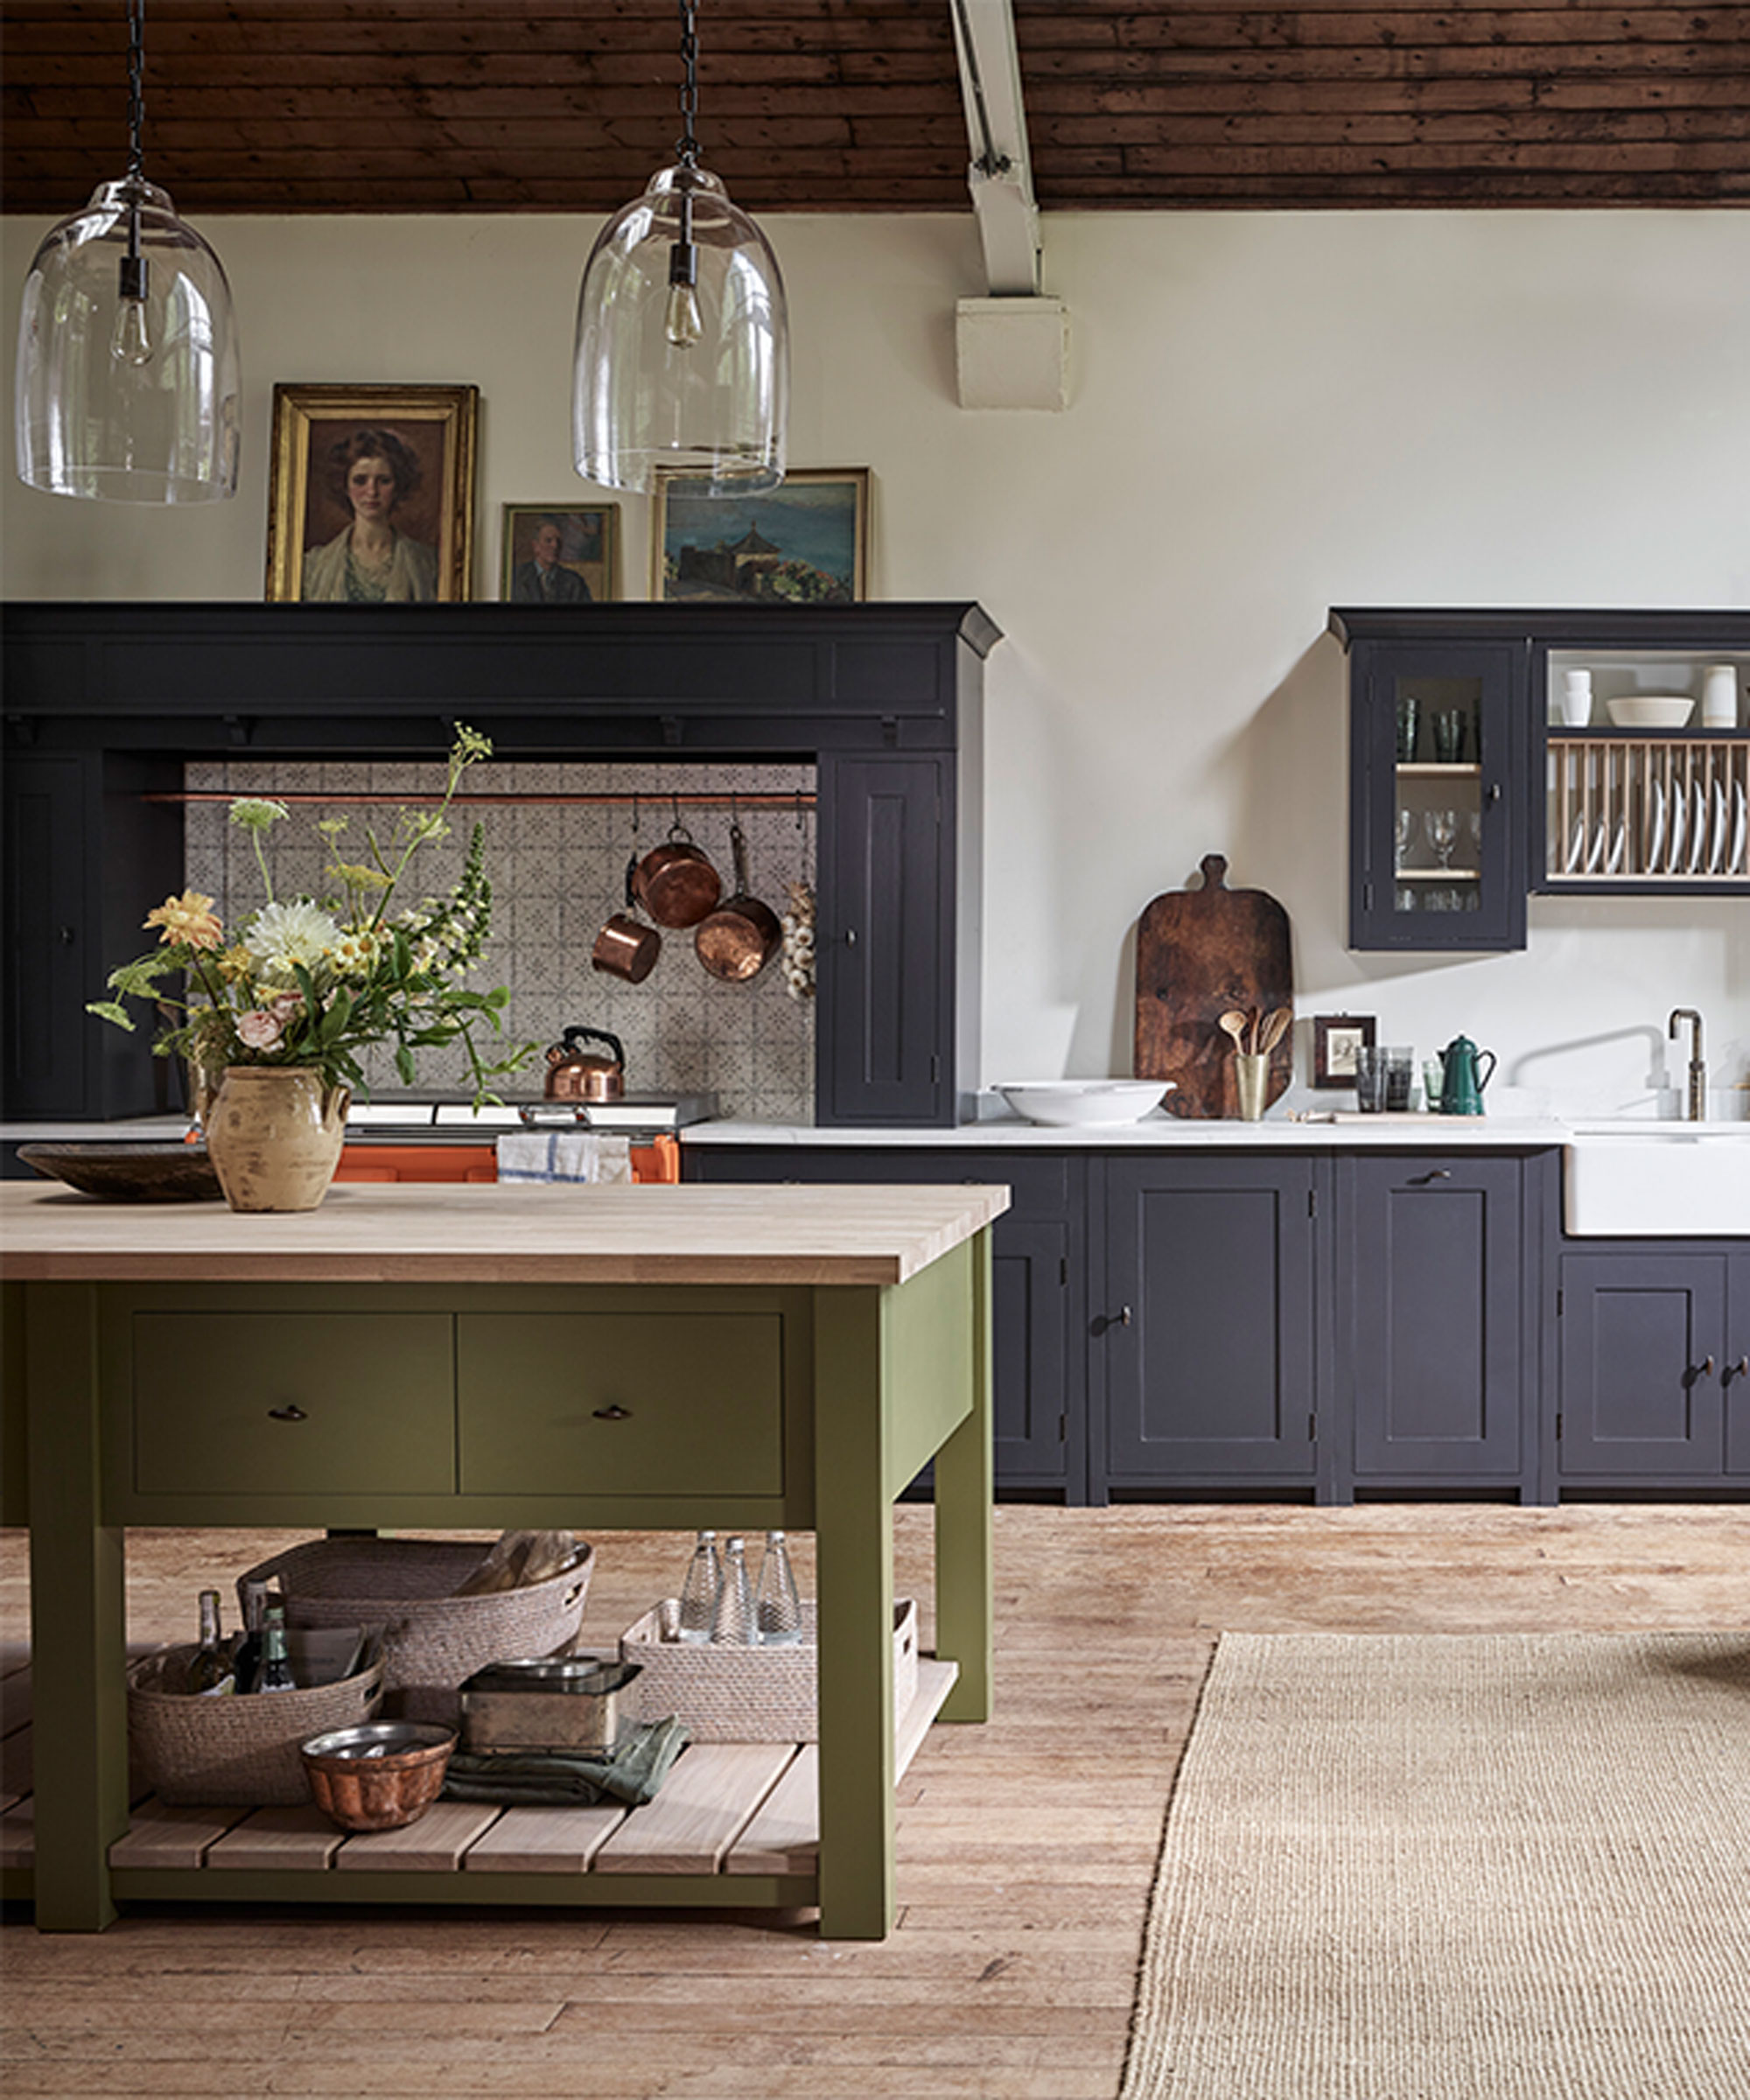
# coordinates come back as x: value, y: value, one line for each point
x: 887, y: 700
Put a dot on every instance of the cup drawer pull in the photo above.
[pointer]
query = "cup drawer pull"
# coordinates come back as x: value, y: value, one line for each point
x: 615, y: 1413
x: 291, y: 1412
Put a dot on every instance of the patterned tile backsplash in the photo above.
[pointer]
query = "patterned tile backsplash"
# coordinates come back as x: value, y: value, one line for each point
x: 557, y: 871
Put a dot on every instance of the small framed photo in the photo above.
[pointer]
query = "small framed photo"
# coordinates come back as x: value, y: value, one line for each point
x: 804, y: 542
x: 559, y: 554
x: 1336, y: 1037
x: 371, y: 499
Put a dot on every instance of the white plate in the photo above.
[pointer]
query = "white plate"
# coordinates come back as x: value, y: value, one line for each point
x: 1619, y: 847
x: 1680, y: 807
x: 1736, y: 863
x: 1655, y: 828
x: 1595, y: 859
x: 1698, y: 832
x: 1576, y: 848
x: 1716, y: 860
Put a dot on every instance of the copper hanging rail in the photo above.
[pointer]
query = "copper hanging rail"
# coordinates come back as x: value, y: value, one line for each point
x: 790, y: 799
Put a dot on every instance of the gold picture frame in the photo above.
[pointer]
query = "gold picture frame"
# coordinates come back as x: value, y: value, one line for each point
x: 584, y: 565
x: 405, y: 534
x: 805, y: 543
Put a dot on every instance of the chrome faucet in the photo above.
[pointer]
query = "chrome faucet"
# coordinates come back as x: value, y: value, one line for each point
x: 1697, y: 1112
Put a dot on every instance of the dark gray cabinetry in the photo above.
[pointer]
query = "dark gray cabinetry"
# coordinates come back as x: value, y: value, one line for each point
x: 1203, y: 1325
x: 885, y: 699
x: 887, y: 970
x: 1655, y: 1366
x: 1038, y: 1258
x: 1435, y: 1321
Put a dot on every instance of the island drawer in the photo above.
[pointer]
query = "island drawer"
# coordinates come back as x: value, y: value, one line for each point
x: 639, y: 1402
x: 293, y: 1402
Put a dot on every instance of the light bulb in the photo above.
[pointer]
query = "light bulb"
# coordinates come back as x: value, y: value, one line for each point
x: 682, y: 321
x: 128, y: 342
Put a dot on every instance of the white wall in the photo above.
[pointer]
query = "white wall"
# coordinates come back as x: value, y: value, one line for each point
x: 1270, y: 414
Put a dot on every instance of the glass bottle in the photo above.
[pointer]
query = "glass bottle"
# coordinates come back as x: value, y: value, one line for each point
x: 699, y: 1591
x: 209, y: 1668
x: 777, y: 1608
x: 732, y: 1621
x: 274, y: 1674
x: 246, y: 1655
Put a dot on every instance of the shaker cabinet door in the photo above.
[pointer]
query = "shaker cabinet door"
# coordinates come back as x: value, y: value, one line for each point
x: 1642, y: 1394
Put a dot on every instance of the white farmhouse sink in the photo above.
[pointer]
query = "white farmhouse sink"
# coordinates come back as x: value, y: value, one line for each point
x: 1657, y: 1180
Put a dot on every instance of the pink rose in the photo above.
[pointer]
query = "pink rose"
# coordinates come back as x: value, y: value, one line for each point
x: 258, y: 1030
x: 286, y: 1006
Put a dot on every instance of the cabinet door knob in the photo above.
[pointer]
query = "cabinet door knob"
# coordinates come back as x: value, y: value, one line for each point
x: 1492, y: 793
x: 615, y: 1413
x: 1120, y: 1318
x: 1740, y: 1369
x: 1434, y: 1173
x: 850, y: 936
x: 1703, y: 1369
x: 291, y: 1412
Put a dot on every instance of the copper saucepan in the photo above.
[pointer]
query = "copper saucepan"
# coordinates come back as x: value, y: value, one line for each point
x: 625, y: 947
x: 737, y: 941
x: 675, y: 882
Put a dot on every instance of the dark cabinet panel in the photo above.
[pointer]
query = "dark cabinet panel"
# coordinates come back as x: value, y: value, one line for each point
x: 1206, y: 1333
x: 50, y: 942
x: 886, y: 962
x: 1644, y: 1367
x: 1432, y: 1346
x: 1735, y: 1377
x: 1037, y: 1262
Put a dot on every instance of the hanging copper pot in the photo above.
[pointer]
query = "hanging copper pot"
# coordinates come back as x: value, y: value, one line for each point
x: 675, y: 882
x: 737, y: 941
x: 625, y: 947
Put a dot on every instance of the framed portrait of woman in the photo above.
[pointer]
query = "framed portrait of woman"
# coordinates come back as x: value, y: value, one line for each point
x: 371, y: 499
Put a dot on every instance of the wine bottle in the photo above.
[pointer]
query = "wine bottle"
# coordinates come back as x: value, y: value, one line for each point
x: 209, y: 1668
x: 246, y: 1655
x: 274, y: 1674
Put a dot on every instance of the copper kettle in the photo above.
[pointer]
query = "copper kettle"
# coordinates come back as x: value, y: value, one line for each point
x: 574, y: 1075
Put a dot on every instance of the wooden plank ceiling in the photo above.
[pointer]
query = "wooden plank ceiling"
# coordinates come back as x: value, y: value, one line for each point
x: 854, y: 105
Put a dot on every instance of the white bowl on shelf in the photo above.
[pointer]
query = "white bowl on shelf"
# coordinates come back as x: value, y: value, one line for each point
x: 1651, y: 710
x: 1081, y: 1103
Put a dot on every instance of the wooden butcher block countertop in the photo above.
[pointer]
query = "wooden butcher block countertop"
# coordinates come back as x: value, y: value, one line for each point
x: 373, y: 1232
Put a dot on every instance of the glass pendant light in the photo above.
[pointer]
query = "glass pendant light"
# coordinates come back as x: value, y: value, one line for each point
x: 683, y: 357
x: 126, y: 387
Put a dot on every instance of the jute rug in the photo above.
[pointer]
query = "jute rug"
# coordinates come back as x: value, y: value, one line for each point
x: 1456, y: 1867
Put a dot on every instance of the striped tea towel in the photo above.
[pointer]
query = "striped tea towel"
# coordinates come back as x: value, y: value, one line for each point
x: 563, y: 1156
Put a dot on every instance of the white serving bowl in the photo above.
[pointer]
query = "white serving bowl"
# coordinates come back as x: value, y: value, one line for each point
x: 1651, y: 710
x: 1081, y: 1102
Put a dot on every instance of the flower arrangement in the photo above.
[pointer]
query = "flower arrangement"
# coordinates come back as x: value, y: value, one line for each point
x: 312, y: 983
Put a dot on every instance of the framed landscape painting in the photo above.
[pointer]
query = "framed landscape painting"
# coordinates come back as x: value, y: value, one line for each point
x: 371, y: 499
x: 559, y: 554
x: 804, y: 542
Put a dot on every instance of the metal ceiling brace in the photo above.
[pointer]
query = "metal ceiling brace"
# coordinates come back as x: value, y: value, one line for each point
x: 1012, y: 347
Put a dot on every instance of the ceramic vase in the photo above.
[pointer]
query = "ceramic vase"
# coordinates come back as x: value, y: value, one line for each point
x: 274, y: 1134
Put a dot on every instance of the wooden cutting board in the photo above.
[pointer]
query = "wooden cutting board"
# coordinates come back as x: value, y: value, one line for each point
x: 1199, y: 952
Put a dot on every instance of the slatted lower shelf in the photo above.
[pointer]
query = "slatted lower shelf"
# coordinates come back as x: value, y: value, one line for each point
x: 735, y: 1823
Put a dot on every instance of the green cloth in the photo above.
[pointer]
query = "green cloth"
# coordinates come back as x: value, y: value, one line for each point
x: 632, y: 1772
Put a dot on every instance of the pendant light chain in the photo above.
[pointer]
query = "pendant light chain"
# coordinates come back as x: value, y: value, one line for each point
x: 136, y: 88
x: 687, y: 146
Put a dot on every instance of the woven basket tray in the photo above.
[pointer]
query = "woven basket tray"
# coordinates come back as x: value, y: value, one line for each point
x: 750, y: 1695
x: 433, y: 1638
x: 232, y: 1750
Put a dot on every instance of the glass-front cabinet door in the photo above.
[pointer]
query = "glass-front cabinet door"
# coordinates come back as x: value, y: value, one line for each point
x: 1437, y: 808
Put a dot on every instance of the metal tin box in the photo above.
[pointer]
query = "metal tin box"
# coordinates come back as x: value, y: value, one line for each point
x: 563, y: 1703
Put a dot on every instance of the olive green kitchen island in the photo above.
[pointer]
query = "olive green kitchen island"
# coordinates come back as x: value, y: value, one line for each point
x: 479, y: 1356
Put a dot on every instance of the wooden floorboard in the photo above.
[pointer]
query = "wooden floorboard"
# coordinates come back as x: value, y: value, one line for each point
x: 1025, y: 1847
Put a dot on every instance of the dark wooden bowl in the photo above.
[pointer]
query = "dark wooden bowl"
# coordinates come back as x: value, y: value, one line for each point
x: 136, y: 1170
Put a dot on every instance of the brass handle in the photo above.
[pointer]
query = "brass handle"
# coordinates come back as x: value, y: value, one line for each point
x: 1120, y: 1318
x: 1705, y: 1369
x: 292, y: 1412
x: 1434, y: 1173
x: 616, y: 1413
x: 1740, y: 1369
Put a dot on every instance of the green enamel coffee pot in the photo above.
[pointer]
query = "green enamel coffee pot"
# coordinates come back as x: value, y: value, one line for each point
x: 1461, y: 1081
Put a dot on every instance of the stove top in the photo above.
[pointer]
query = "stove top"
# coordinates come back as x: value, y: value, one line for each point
x: 456, y: 1112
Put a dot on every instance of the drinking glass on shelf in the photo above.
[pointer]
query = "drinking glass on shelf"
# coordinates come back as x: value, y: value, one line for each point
x: 1409, y: 717
x: 1406, y: 832
x: 1449, y: 735
x: 1473, y: 836
x: 1442, y: 827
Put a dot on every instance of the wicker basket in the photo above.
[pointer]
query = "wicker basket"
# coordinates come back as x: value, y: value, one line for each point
x: 228, y: 1751
x: 433, y: 1638
x: 750, y: 1695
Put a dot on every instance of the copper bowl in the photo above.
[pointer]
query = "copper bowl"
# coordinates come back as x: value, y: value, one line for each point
x: 379, y: 1775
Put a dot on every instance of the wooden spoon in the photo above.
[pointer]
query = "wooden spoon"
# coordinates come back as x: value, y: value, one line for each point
x: 1274, y: 1029
x: 1234, y: 1022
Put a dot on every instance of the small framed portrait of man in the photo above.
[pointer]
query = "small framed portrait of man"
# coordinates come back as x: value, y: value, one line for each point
x: 1336, y: 1037
x: 372, y: 496
x: 560, y: 554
